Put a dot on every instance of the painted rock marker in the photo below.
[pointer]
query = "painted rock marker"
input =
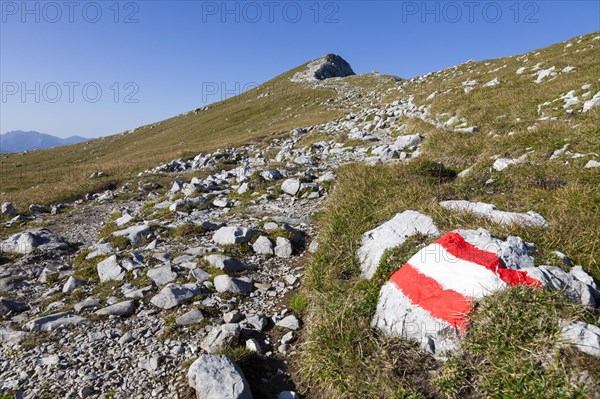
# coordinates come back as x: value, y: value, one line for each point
x: 430, y: 297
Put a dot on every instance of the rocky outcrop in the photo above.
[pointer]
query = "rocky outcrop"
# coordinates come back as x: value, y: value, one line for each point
x: 329, y: 66
x: 41, y: 240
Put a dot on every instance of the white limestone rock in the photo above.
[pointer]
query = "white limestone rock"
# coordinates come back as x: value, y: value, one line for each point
x: 389, y: 235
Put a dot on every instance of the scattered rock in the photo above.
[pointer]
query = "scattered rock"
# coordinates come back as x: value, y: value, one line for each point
x: 236, y: 285
x: 175, y: 294
x: 263, y: 246
x: 583, y: 336
x: 41, y: 240
x: 162, y: 275
x: 8, y: 209
x: 592, y: 164
x: 8, y: 307
x: 291, y: 186
x: 109, y: 269
x: 230, y: 235
x: 217, y: 376
x: 290, y: 322
x: 194, y: 316
x: 283, y: 248
x: 71, y: 284
x: 404, y: 142
x: 134, y: 234
x: 54, y: 322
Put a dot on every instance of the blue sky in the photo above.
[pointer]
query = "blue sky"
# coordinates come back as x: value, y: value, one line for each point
x: 98, y: 68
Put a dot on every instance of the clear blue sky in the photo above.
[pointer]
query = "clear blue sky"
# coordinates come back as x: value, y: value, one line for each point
x: 175, y: 54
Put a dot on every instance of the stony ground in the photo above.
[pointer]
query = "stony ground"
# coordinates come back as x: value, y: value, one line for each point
x: 115, y: 295
x: 221, y: 243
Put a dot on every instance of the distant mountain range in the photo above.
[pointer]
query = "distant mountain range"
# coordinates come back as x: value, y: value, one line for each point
x: 17, y: 141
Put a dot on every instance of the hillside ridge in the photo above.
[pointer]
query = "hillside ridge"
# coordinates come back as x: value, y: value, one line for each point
x: 254, y: 251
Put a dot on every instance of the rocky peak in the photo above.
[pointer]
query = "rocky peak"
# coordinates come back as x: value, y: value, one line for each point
x: 328, y: 66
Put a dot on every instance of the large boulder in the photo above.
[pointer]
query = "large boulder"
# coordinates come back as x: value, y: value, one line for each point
x: 41, y: 240
x: 109, y: 269
x: 175, y: 294
x: 430, y: 298
x: 217, y: 376
x: 230, y: 235
x: 389, y: 235
x: 489, y: 211
x: 8, y: 209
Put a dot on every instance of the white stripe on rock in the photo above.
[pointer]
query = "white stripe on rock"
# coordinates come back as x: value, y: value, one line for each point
x: 452, y: 273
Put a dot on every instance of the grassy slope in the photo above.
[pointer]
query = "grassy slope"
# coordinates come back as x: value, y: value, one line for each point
x: 343, y: 357
x: 63, y: 173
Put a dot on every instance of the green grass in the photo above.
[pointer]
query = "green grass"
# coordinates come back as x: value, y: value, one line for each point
x: 343, y: 357
x: 62, y: 174
x: 298, y: 303
x: 186, y: 230
x: 504, y: 361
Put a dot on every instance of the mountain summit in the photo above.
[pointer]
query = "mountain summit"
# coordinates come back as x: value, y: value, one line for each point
x: 328, y: 66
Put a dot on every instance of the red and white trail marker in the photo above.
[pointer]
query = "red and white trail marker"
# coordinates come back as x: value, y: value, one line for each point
x: 430, y: 298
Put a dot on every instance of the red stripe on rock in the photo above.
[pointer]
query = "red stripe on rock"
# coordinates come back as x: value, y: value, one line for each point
x: 427, y: 293
x: 456, y: 245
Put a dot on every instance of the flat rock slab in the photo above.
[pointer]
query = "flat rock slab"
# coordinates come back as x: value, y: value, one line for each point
x: 54, y: 322
x: 125, y: 308
x: 162, y: 275
x: 430, y: 298
x: 220, y: 338
x: 489, y: 211
x: 175, y: 294
x: 236, y: 285
x: 583, y: 336
x: 389, y: 235
x: 217, y: 376
x: 231, y: 235
x: 194, y: 316
x: 134, y: 233
x: 41, y: 240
